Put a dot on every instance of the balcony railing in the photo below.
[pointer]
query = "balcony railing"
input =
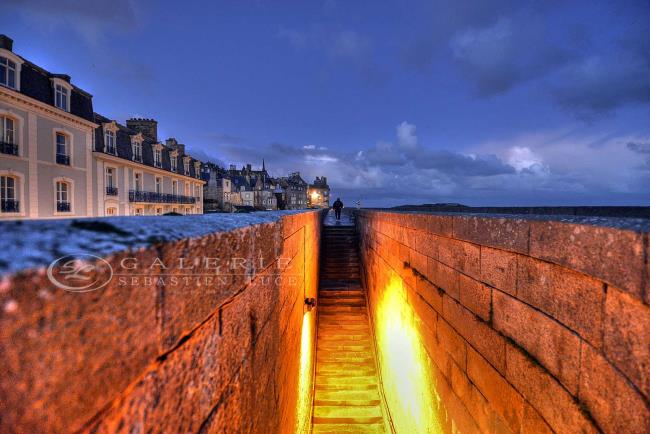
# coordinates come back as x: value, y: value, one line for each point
x: 111, y: 150
x: 63, y: 206
x: 63, y: 159
x: 153, y: 197
x: 111, y: 191
x: 9, y: 205
x: 8, y: 148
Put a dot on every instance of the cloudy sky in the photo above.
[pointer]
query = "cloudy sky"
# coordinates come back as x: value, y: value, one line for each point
x: 485, y: 103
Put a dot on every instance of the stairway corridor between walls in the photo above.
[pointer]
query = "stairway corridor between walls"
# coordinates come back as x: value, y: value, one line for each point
x: 347, y: 396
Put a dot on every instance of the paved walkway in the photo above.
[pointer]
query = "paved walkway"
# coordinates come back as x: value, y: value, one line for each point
x: 346, y: 218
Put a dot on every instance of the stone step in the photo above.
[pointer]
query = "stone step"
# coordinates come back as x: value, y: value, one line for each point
x: 334, y: 356
x: 351, y: 387
x: 343, y: 428
x: 347, y: 395
x: 347, y: 301
x: 333, y: 293
x: 338, y: 318
x: 339, y: 370
x: 349, y: 414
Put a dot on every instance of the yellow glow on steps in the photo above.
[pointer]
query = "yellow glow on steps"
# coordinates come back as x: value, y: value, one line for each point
x: 406, y: 377
x: 303, y: 411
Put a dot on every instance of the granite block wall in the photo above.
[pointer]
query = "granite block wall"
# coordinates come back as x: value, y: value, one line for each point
x: 510, y: 324
x: 198, y: 333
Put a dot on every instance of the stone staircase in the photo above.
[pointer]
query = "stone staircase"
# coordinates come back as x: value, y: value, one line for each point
x: 347, y: 398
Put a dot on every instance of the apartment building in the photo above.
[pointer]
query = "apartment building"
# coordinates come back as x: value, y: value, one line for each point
x: 59, y: 159
x: 138, y: 175
x: 46, y: 136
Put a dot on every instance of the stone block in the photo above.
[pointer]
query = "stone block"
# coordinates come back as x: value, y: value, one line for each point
x: 552, y: 344
x: 505, y: 400
x: 499, y: 269
x: 545, y: 394
x: 610, y: 254
x: 613, y: 403
x: 460, y: 255
x: 444, y: 277
x: 501, y: 233
x: 476, y: 296
x: 479, y: 334
x: 627, y: 337
x: 572, y: 298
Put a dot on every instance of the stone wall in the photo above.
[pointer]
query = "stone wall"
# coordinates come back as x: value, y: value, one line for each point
x: 168, y: 351
x: 510, y: 324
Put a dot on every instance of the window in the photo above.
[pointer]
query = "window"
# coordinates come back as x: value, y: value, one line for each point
x: 61, y: 97
x: 137, y: 177
x: 111, y: 211
x: 139, y: 211
x: 137, y: 151
x: 187, y: 189
x: 62, y: 149
x: 8, y: 136
x: 62, y: 196
x: 174, y: 187
x: 173, y: 161
x: 157, y: 158
x: 111, y: 189
x: 158, y: 211
x: 188, y: 210
x: 186, y: 167
x: 109, y: 142
x: 158, y: 184
x: 8, y: 202
x: 197, y: 191
x: 8, y: 75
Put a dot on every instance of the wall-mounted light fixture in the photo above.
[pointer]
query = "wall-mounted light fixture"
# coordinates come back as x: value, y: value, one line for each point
x: 310, y: 303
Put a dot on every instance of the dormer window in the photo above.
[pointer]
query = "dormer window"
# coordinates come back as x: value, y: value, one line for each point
x: 109, y: 142
x: 173, y: 161
x: 197, y: 169
x: 186, y: 166
x: 8, y: 73
x: 157, y: 157
x: 136, y: 146
x: 61, y: 97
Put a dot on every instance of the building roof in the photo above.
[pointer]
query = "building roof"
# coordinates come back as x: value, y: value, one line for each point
x: 125, y: 150
x: 36, y: 82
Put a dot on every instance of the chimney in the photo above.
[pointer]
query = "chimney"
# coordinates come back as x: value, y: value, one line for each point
x: 172, y: 143
x: 248, y: 167
x: 324, y: 180
x: 233, y: 167
x: 6, y: 42
x: 148, y: 127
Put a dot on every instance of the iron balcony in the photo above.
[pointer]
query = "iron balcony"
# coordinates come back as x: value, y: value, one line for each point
x: 153, y: 197
x: 8, y: 148
x: 111, y: 191
x: 63, y: 206
x: 63, y: 159
x: 9, y: 205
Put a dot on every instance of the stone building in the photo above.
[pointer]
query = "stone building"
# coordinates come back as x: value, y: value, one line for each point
x: 46, y: 136
x: 228, y: 189
x: 138, y: 175
x: 318, y: 194
x: 60, y: 159
x: 295, y: 191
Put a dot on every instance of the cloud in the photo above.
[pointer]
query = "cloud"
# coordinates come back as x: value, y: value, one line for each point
x: 498, y: 57
x: 601, y: 83
x: 641, y: 148
x: 92, y: 19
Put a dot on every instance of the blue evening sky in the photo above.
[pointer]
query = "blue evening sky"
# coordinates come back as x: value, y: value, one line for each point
x: 493, y: 102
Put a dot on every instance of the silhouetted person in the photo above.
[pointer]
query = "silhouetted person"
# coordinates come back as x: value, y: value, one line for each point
x: 338, y: 206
